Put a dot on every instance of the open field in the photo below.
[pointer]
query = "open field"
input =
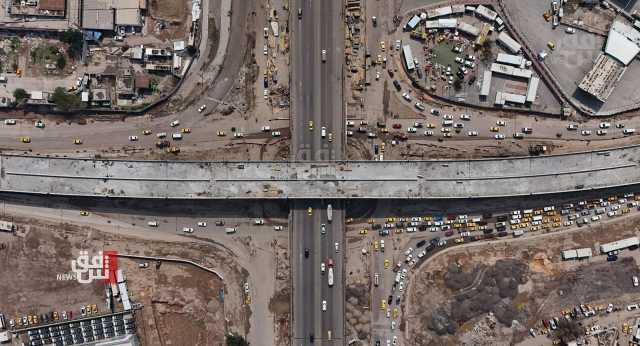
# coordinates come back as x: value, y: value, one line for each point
x: 472, y: 294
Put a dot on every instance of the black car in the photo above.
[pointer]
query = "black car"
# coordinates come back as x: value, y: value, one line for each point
x: 306, y: 253
x: 398, y: 300
x: 390, y: 300
x: 397, y: 85
x: 311, y: 338
x: 421, y: 243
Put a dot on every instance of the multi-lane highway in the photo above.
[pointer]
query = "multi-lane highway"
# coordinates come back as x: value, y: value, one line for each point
x: 317, y: 124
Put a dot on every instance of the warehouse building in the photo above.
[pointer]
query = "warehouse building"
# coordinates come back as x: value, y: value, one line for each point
x: 486, y: 83
x: 532, y: 89
x: 619, y: 245
x: 510, y: 59
x: 509, y: 43
x: 511, y: 71
x: 448, y: 23
x: 503, y: 97
x: 440, y: 12
x: 408, y: 57
x: 468, y: 29
x: 602, y: 78
x: 412, y: 23
x: 622, y: 46
x: 486, y: 13
x: 576, y: 254
x: 109, y: 15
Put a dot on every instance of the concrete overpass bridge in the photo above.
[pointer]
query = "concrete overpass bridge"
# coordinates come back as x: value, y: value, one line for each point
x: 314, y: 180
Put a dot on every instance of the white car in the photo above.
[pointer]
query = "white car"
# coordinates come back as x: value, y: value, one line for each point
x: 406, y: 96
x: 570, y: 31
x: 604, y: 125
x: 10, y: 121
x: 601, y: 132
x: 265, y: 50
x: 472, y: 133
x: 238, y: 135
x: 337, y: 245
x: 501, y: 123
x: 419, y: 106
x: 572, y: 127
x: 322, y: 267
x: 447, y: 117
x: 628, y: 131
x: 258, y: 222
x: 133, y: 138
x: 275, y: 134
x: 39, y: 124
x: 266, y: 128
x: 324, y: 55
x: 435, y: 112
x: 499, y: 136
x: 323, y: 132
x: 351, y: 123
x: 428, y: 133
x: 202, y: 224
x: 585, y: 132
x: 377, y: 75
x: 412, y: 129
x: 265, y: 94
x: 278, y: 228
x: 201, y: 108
x: 174, y: 123
x: 187, y: 229
x: 161, y: 135
x: 465, y: 117
x: 324, y: 305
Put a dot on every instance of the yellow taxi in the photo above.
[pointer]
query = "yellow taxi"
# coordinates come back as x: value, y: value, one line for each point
x: 221, y: 133
x: 383, y: 304
x: 494, y: 129
x: 310, y: 125
x: 431, y: 126
x: 459, y: 240
x: 309, y: 211
x: 330, y: 137
x: 375, y: 245
x: 371, y: 221
x: 77, y: 141
x: 382, y: 145
x: 25, y: 139
x: 186, y: 130
x: 84, y: 213
x: 363, y: 231
x: 386, y: 263
x: 395, y: 312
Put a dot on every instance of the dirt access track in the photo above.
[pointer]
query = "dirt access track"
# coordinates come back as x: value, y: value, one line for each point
x: 492, y: 293
x: 181, y: 305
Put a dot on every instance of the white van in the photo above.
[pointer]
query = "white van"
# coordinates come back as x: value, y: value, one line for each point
x: 628, y: 131
x: 152, y: 223
x: 176, y: 136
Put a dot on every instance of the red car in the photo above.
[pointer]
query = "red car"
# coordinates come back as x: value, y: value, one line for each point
x: 330, y: 262
x: 397, y: 126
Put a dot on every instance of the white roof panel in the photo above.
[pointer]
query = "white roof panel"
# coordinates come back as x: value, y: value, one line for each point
x: 532, y: 89
x: 486, y: 83
x: 510, y: 59
x: 621, y: 48
x: 408, y: 57
x: 619, y: 244
x: 509, y: 43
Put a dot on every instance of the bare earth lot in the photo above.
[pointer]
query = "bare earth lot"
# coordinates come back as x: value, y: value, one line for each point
x: 180, y: 304
x: 492, y: 294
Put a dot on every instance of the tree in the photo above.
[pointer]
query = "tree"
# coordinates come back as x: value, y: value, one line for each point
x: 65, y: 101
x: 569, y: 330
x: 20, y: 94
x: 61, y: 62
x: 236, y: 340
x: 457, y: 84
x: 74, y: 39
x: 486, y: 51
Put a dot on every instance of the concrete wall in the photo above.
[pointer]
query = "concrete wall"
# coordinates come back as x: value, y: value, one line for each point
x: 352, y: 179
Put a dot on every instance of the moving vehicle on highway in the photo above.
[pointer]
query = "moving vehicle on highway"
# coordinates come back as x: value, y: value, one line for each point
x: 330, y: 277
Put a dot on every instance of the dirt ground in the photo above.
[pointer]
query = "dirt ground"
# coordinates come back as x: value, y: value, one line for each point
x: 180, y: 304
x: 168, y: 19
x: 492, y: 294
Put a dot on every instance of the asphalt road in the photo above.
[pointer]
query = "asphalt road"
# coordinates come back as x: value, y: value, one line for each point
x: 316, y: 103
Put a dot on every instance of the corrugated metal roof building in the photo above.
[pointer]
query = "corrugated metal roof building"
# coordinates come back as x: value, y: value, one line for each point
x: 98, y: 15
x: 468, y: 28
x: 532, y: 89
x: 486, y: 83
x: 511, y: 71
x: 439, y: 12
x: 408, y: 57
x: 486, y: 13
x: 510, y: 59
x: 503, y: 97
x: 619, y: 245
x: 509, y: 43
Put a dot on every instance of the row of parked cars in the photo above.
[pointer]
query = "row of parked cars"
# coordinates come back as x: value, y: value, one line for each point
x: 53, y: 316
x: 82, y: 331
